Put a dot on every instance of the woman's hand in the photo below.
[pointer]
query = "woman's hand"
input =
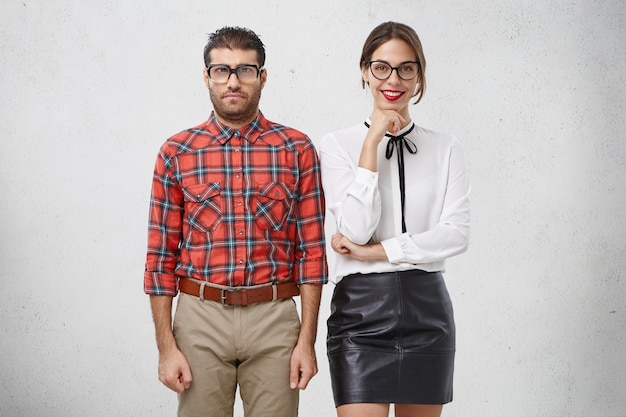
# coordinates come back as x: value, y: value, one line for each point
x: 369, y: 252
x: 386, y: 121
x: 383, y: 121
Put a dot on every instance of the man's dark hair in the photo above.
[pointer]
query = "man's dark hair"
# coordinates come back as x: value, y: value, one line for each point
x: 234, y: 38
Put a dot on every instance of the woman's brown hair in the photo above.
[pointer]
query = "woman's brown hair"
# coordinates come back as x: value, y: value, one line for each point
x: 394, y: 30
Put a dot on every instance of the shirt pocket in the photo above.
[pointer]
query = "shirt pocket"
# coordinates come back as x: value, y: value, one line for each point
x: 273, y: 204
x: 203, y: 205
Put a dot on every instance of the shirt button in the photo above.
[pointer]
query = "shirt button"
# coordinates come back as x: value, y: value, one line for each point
x: 237, y: 176
x: 241, y: 261
x: 241, y: 232
x: 238, y: 203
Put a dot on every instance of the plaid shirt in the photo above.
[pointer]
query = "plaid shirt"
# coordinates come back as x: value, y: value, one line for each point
x: 236, y: 207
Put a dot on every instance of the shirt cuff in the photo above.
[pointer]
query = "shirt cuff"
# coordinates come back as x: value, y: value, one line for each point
x: 155, y: 283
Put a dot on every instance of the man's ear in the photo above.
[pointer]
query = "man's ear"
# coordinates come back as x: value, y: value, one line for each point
x: 205, y: 75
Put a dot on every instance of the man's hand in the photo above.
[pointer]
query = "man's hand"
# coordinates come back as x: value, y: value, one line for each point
x: 174, y: 371
x: 303, y: 366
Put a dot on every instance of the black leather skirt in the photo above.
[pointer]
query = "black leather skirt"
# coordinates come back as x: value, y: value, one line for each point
x: 391, y: 339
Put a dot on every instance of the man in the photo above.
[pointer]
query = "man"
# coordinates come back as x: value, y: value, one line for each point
x: 236, y: 225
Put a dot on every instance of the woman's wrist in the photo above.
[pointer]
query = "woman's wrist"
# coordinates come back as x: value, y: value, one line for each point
x: 368, y: 156
x: 377, y: 252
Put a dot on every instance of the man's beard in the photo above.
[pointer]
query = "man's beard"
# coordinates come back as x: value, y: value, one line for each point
x: 243, y: 113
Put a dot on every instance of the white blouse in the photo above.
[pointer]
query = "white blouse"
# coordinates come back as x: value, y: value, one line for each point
x: 366, y: 205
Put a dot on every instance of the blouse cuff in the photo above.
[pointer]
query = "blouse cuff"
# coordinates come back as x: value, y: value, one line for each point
x: 393, y: 249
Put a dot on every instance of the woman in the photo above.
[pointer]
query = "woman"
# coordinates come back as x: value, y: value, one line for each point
x: 399, y: 195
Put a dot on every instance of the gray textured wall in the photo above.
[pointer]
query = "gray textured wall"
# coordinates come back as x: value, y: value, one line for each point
x: 535, y: 91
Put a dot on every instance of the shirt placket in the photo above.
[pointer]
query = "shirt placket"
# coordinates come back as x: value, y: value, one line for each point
x: 239, y: 210
x: 394, y: 178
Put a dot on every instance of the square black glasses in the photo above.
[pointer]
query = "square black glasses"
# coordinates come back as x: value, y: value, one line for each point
x: 221, y: 73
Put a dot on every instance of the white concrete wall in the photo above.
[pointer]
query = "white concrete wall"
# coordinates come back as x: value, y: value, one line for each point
x: 535, y: 90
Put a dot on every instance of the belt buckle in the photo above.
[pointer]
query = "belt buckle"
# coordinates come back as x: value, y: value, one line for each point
x: 244, y: 296
x: 241, y: 290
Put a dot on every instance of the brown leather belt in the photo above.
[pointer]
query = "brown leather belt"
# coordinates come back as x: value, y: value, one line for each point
x: 240, y: 296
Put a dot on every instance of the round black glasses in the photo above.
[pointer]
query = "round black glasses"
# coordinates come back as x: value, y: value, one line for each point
x: 382, y: 70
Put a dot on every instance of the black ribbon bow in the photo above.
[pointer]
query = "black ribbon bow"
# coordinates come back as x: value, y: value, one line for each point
x: 397, y: 142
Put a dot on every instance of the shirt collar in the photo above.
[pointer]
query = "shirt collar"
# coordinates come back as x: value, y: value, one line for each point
x: 223, y: 133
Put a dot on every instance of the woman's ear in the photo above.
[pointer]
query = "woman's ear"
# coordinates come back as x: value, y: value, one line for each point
x: 364, y: 76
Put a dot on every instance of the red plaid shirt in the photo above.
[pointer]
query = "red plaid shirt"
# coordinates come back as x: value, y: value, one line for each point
x: 236, y: 207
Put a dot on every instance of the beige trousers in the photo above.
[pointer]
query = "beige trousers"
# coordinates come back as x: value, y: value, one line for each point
x: 228, y: 346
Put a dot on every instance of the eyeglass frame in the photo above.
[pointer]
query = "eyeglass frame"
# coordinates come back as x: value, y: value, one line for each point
x: 232, y: 71
x: 369, y: 63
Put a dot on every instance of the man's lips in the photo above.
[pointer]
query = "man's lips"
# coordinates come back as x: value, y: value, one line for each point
x: 233, y: 95
x: 392, y: 95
